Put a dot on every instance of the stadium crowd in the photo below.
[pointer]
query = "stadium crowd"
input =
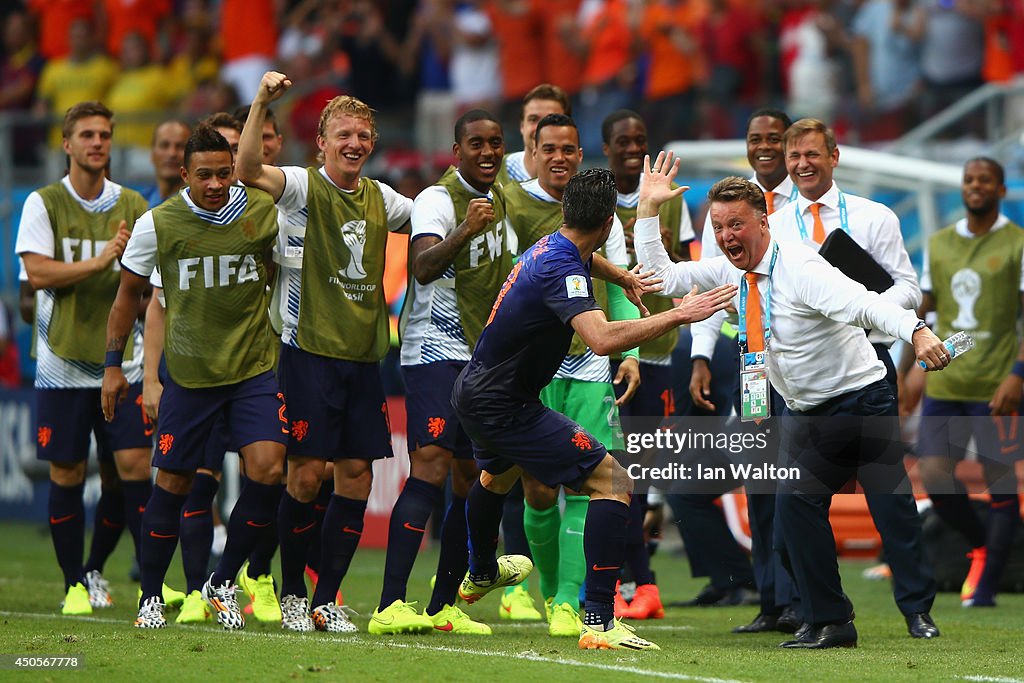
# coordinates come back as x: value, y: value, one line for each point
x: 693, y: 68
x: 511, y: 330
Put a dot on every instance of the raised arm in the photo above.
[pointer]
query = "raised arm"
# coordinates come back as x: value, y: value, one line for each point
x: 656, y: 189
x: 249, y: 166
x: 431, y: 256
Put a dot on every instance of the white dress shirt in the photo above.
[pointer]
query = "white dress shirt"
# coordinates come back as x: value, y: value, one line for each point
x: 705, y: 333
x: 815, y: 353
x: 872, y: 225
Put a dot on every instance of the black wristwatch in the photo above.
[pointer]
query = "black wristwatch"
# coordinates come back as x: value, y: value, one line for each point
x: 919, y: 326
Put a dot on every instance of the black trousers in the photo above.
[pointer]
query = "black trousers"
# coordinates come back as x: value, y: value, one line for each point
x: 895, y: 516
x: 831, y: 444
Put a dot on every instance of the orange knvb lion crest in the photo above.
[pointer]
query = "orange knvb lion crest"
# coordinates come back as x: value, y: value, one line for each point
x: 435, y: 425
x: 165, y: 443
x: 300, y: 429
x: 581, y: 441
x: 44, y: 435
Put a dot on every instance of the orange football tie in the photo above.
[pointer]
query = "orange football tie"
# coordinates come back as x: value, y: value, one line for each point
x: 769, y: 198
x: 755, y: 328
x: 819, y: 227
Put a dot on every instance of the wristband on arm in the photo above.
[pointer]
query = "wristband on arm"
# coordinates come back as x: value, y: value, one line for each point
x: 1018, y: 369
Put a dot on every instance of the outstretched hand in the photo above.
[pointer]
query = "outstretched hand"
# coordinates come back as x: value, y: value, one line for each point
x: 700, y: 306
x: 656, y: 184
x: 635, y: 283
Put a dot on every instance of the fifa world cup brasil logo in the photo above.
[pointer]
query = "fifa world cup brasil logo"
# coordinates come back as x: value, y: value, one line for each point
x: 966, y: 287
x: 354, y: 234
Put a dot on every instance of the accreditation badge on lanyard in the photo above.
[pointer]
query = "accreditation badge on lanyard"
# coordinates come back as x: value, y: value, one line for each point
x: 755, y: 403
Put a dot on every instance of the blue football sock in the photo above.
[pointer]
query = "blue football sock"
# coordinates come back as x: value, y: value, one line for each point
x: 604, y: 544
x: 67, y: 529
x: 483, y: 519
x: 342, y: 529
x: 108, y: 523
x: 405, y: 533
x: 454, y: 558
x: 136, y: 495
x: 160, y: 524
x: 196, y: 530
x: 266, y: 545
x: 297, y: 525
x: 254, y: 513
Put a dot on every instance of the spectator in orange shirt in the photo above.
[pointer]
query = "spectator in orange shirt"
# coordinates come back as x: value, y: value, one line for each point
x: 54, y: 18
x: 608, y: 72
x: 516, y: 28
x: 248, y: 42
x: 1004, y: 40
x: 668, y: 30
x: 563, y: 65
x: 145, y: 17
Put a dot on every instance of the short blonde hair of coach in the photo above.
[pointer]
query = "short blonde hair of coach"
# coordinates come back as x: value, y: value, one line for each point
x: 806, y: 126
x: 735, y: 189
x: 343, y: 105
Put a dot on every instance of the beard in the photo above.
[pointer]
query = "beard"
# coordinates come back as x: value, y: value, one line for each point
x: 983, y: 209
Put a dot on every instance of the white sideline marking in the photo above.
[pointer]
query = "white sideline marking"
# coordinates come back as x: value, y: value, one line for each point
x: 645, y: 627
x: 525, y: 656
x: 990, y: 679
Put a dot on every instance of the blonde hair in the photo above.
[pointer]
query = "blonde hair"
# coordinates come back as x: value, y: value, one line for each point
x: 345, y: 105
x: 806, y: 126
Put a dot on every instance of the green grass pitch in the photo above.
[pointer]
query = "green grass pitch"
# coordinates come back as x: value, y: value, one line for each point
x: 976, y: 645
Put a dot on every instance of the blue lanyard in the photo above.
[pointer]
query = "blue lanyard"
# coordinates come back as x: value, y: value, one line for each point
x: 742, y: 336
x: 844, y: 221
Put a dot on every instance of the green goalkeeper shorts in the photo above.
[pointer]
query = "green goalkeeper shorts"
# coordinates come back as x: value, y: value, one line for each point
x: 590, y: 404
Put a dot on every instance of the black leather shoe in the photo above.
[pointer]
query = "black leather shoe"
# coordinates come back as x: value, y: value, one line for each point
x: 789, y: 621
x: 762, y: 623
x: 825, y: 637
x: 920, y: 625
x: 802, y: 631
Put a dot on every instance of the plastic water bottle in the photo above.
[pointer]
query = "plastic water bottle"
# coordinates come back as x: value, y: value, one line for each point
x: 959, y: 343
